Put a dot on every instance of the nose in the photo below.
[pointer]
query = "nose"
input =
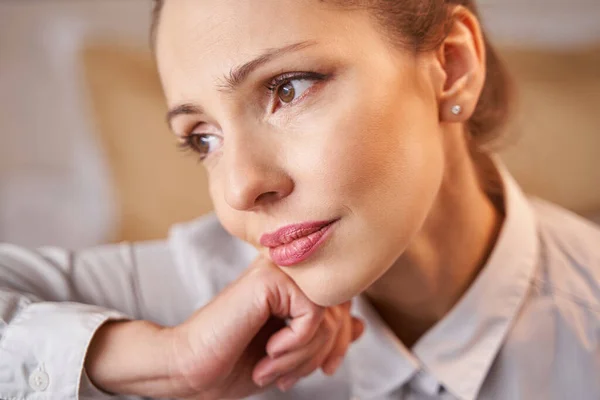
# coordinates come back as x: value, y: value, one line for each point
x: 254, y: 177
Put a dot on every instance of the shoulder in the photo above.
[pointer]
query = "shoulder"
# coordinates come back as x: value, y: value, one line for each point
x: 571, y: 232
x: 208, y: 255
x: 569, y: 258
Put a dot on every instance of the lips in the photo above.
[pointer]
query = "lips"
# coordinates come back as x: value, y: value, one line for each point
x: 293, y: 244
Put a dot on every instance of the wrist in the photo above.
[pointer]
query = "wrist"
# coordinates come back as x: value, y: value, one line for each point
x: 130, y: 358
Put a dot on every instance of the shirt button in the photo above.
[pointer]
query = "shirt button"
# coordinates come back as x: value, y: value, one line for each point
x: 39, y: 381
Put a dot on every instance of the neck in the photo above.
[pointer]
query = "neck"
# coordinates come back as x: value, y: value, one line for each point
x: 444, y: 258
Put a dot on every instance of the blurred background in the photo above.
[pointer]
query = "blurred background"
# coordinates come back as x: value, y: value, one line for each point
x: 86, y: 157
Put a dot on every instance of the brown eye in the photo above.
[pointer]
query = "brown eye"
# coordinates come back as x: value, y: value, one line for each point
x: 199, y: 143
x: 203, y: 144
x: 286, y: 92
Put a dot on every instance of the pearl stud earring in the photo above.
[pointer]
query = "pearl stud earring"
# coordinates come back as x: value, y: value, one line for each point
x: 456, y: 109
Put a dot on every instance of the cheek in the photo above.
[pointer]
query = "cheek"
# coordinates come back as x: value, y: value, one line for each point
x: 383, y: 177
x: 387, y: 150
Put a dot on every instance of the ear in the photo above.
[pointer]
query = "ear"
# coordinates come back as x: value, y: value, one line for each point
x: 461, y: 59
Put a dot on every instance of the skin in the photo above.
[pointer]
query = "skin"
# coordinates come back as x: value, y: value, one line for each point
x: 373, y: 145
x: 210, y: 357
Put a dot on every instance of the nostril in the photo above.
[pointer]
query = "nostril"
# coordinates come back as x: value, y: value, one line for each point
x: 266, y: 197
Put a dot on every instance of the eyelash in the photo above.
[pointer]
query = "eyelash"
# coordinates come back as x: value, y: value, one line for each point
x: 186, y: 144
x: 290, y: 76
x: 283, y: 79
x: 187, y: 141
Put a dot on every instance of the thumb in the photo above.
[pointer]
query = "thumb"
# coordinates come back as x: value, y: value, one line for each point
x: 239, y: 312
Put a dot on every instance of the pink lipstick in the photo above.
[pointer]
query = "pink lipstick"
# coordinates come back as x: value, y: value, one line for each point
x: 293, y: 244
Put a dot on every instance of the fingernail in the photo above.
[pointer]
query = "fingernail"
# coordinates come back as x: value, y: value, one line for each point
x: 274, y: 354
x: 334, y: 365
x: 287, y: 383
x: 266, y: 380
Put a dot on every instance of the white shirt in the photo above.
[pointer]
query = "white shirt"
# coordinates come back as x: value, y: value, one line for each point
x: 528, y: 328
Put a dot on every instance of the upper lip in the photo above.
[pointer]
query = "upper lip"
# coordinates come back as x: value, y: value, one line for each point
x: 289, y: 233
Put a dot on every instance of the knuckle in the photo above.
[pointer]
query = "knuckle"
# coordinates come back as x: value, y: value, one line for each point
x: 317, y: 314
x: 335, y: 312
x: 311, y: 367
x: 262, y: 270
x: 328, y: 333
x: 333, y: 324
x: 258, y: 275
x: 339, y: 351
x: 340, y: 348
x: 318, y: 310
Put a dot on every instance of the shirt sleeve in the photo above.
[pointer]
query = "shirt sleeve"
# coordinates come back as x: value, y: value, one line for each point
x: 52, y: 302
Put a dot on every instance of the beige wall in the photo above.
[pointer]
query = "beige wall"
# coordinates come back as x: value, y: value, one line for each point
x: 554, y: 143
x: 156, y: 185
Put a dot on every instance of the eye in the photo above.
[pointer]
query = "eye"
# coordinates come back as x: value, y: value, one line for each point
x: 293, y: 89
x: 293, y: 86
x: 202, y: 144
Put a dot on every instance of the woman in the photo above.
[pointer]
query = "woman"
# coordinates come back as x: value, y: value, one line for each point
x: 344, y: 141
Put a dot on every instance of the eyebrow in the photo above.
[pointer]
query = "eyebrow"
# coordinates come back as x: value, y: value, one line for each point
x: 183, y: 109
x: 238, y: 75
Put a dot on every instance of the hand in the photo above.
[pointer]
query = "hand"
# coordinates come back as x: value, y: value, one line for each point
x: 235, y: 346
x: 239, y: 343
x: 326, y: 350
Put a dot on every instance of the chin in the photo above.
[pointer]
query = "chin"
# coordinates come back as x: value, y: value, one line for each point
x: 329, y: 299
x: 326, y: 285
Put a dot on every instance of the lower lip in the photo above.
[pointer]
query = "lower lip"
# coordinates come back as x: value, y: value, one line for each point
x: 299, y: 250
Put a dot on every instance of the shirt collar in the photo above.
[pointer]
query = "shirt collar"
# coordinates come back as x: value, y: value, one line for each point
x: 459, y: 350
x: 379, y: 363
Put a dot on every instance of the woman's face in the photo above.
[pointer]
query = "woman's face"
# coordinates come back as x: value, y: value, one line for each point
x: 306, y: 114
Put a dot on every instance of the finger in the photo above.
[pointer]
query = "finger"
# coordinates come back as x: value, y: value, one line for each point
x: 301, y: 329
x: 287, y: 301
x: 269, y: 369
x: 346, y: 306
x: 287, y: 381
x: 337, y: 312
x: 342, y: 342
x: 336, y: 356
x: 358, y: 328
x: 322, y: 342
x: 261, y: 292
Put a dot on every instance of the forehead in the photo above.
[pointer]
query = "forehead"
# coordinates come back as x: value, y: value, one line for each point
x: 207, y: 38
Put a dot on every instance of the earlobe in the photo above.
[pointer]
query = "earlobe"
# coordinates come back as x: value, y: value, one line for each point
x: 462, y: 58
x: 456, y: 109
